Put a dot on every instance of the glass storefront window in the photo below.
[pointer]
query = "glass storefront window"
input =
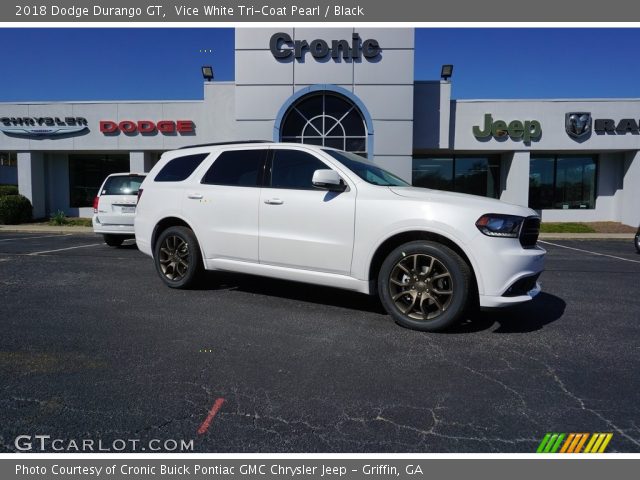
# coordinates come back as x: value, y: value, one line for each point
x: 562, y: 182
x: 8, y: 159
x: 326, y: 119
x: 474, y: 175
x: 541, y: 180
x: 87, y: 172
x: 436, y: 173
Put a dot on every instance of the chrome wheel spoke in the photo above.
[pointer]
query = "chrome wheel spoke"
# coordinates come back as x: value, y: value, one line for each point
x: 437, y: 302
x: 400, y: 295
x: 442, y: 292
x: 442, y: 275
x: 430, y: 267
x: 421, y: 286
x: 174, y: 258
x: 403, y: 268
x: 411, y: 305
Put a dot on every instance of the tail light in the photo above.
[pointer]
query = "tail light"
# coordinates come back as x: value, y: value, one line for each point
x: 139, y: 195
x: 96, y: 201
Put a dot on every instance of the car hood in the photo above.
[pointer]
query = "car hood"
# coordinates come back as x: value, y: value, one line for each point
x: 484, y: 204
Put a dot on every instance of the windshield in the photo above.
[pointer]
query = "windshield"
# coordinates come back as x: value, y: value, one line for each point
x: 367, y: 170
x: 122, y: 185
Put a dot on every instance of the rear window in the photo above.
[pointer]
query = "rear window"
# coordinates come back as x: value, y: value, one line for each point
x: 238, y: 168
x: 180, y: 168
x: 122, y: 185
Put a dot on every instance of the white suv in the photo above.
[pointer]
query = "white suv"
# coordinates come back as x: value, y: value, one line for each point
x: 328, y: 217
x: 114, y: 208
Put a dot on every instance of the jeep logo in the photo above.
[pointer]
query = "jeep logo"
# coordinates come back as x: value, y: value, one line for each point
x: 516, y: 129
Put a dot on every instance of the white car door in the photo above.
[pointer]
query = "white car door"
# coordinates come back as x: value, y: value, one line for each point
x: 302, y: 226
x: 225, y: 205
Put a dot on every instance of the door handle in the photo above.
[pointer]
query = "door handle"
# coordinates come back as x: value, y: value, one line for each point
x: 274, y: 201
x: 195, y: 196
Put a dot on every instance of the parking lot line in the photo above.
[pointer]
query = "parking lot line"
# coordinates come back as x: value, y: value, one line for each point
x: 589, y: 251
x: 212, y: 413
x: 61, y: 249
x: 32, y: 238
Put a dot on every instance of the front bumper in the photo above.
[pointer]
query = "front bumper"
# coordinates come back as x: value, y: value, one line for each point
x: 488, y: 301
x: 507, y: 273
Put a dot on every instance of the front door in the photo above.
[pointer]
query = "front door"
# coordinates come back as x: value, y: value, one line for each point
x: 302, y: 226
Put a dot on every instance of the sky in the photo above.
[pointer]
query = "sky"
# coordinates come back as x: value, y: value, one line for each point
x: 164, y: 64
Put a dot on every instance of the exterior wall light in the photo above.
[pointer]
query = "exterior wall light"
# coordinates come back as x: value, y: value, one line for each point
x: 446, y: 72
x: 207, y: 72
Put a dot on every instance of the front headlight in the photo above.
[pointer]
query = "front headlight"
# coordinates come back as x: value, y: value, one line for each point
x: 499, y: 225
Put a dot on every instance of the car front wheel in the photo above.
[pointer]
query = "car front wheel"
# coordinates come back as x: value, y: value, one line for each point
x: 177, y: 257
x: 638, y: 242
x: 424, y: 286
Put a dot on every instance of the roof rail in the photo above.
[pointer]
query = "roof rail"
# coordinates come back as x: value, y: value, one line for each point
x: 237, y: 142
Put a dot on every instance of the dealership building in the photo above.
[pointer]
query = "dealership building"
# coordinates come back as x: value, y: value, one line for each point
x: 354, y: 89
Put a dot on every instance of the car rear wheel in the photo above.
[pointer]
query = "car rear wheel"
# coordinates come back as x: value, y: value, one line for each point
x: 638, y: 242
x: 113, y: 240
x: 424, y: 286
x: 177, y: 257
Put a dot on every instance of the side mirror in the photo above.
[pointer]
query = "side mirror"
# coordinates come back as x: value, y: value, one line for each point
x: 328, y: 180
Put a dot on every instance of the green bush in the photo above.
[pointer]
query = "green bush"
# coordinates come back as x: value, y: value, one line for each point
x: 15, y: 209
x: 8, y: 190
x: 58, y: 218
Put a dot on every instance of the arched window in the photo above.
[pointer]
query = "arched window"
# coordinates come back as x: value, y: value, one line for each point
x: 327, y: 119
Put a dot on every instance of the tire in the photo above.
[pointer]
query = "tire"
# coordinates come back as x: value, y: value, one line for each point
x: 113, y: 240
x: 637, y: 242
x: 424, y: 286
x: 177, y: 258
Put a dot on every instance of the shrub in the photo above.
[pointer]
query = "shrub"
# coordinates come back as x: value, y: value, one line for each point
x: 58, y: 218
x: 15, y: 209
x: 8, y: 190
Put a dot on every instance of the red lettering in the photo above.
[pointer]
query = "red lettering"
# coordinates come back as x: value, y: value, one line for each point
x: 127, y: 126
x: 184, y: 126
x: 166, y: 126
x: 146, y: 126
x: 107, y: 126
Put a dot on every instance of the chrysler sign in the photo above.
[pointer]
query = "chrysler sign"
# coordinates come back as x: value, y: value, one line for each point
x: 42, y: 126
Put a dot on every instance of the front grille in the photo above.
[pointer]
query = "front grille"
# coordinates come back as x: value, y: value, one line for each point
x: 522, y: 286
x: 529, y: 232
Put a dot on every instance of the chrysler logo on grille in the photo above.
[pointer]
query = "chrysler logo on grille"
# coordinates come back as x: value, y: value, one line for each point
x: 578, y: 124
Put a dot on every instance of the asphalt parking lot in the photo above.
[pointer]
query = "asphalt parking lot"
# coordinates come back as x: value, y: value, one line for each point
x: 93, y: 346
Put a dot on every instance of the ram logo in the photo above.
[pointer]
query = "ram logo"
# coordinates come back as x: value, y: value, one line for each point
x: 578, y: 124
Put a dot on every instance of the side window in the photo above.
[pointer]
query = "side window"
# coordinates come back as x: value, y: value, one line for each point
x: 238, y: 168
x: 180, y: 168
x: 294, y: 169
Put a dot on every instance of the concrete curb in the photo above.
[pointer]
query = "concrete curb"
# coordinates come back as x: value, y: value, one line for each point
x: 44, y: 229
x: 586, y: 236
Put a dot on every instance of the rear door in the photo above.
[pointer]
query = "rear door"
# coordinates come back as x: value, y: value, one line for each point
x: 302, y: 226
x: 118, y: 197
x: 224, y: 205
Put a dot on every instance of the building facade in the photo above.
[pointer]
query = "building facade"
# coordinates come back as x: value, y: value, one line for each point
x: 354, y: 89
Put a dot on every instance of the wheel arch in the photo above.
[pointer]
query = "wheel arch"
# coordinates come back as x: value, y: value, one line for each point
x: 168, y: 222
x: 400, y: 238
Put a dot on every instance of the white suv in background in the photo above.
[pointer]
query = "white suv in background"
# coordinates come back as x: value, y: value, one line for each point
x: 324, y: 216
x: 114, y: 208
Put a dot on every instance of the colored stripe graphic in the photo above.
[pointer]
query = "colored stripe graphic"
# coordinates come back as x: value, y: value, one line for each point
x: 574, y: 442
